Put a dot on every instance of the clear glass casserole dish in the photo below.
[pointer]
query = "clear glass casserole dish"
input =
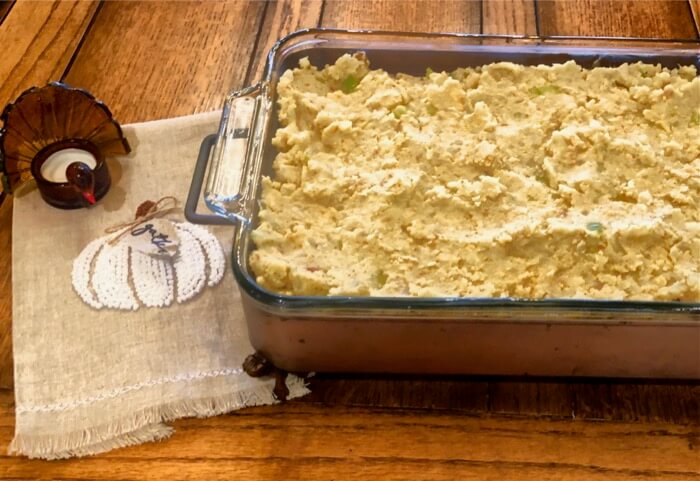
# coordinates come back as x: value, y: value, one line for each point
x: 432, y: 335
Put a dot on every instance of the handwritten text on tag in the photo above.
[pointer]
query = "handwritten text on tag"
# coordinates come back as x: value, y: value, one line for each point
x: 155, y: 238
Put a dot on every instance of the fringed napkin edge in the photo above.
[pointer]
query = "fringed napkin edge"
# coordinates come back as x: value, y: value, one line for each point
x: 146, y: 425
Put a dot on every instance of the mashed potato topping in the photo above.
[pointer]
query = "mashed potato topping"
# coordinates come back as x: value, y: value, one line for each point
x: 504, y: 180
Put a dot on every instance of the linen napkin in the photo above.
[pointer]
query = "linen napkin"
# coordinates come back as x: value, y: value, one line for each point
x: 87, y: 381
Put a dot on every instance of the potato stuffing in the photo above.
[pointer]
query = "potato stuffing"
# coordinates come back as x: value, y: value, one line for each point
x: 548, y: 181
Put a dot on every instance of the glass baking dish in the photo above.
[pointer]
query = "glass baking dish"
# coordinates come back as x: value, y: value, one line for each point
x: 506, y: 336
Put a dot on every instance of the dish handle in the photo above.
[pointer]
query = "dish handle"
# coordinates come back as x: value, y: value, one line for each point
x: 230, y: 162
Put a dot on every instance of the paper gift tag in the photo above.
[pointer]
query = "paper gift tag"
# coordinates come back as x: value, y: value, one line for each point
x: 157, y: 238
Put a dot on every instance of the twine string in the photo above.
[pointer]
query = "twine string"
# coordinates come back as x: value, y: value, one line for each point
x: 165, y: 205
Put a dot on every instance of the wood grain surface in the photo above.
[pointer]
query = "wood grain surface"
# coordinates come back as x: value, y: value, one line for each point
x: 39, y: 39
x: 6, y: 374
x: 414, y: 16
x: 314, y: 441
x: 695, y: 11
x: 5, y: 7
x: 617, y: 18
x: 282, y: 18
x: 676, y: 402
x: 151, y: 60
x: 509, y: 17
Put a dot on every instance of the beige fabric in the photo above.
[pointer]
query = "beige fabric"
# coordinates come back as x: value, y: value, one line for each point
x: 88, y: 381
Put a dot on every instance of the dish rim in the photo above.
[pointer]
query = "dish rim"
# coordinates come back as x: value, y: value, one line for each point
x: 409, y: 303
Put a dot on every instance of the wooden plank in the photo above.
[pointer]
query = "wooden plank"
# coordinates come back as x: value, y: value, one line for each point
x: 39, y: 40
x: 695, y: 11
x: 5, y: 7
x: 150, y: 60
x: 602, y: 400
x: 282, y: 17
x: 317, y: 468
x: 539, y: 398
x: 625, y: 18
x: 637, y: 401
x: 6, y: 366
x: 455, y: 395
x: 417, y: 16
x: 296, y: 441
x: 509, y: 17
x: 320, y: 468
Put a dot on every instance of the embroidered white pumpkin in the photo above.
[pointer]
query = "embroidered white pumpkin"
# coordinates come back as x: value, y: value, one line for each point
x: 123, y: 272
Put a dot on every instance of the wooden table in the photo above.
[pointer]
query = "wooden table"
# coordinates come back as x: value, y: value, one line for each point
x: 156, y: 60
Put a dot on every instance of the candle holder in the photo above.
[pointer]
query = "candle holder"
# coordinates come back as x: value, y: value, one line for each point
x: 60, y: 137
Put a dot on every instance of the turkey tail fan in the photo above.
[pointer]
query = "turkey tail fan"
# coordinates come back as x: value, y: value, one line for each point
x: 43, y: 116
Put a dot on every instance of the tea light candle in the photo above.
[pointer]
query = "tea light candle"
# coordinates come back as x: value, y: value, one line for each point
x: 54, y: 167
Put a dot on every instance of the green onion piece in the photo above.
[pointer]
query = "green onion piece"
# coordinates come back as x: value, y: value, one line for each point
x: 381, y: 278
x: 595, y: 226
x: 399, y: 111
x: 545, y: 89
x: 349, y: 84
x: 695, y: 118
x: 432, y: 110
x: 428, y: 71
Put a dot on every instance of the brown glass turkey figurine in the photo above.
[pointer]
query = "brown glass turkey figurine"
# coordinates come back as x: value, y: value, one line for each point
x: 60, y: 136
x: 71, y: 174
